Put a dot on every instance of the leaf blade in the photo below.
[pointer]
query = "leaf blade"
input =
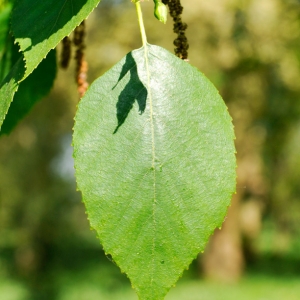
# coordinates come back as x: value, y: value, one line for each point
x: 36, y: 86
x: 4, y: 40
x: 160, y: 167
x: 9, y: 86
x: 39, y: 27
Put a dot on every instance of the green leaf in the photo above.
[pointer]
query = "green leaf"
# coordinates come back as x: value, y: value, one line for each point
x: 155, y: 161
x: 39, y: 26
x: 5, y: 41
x: 9, y: 86
x: 4, y: 25
x: 32, y: 89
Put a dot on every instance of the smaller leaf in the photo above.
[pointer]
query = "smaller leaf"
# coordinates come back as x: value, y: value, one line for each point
x: 32, y: 89
x: 4, y: 25
x: 5, y: 42
x: 9, y: 86
x: 39, y: 26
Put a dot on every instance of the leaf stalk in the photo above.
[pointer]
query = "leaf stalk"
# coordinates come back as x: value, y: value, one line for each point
x: 141, y: 21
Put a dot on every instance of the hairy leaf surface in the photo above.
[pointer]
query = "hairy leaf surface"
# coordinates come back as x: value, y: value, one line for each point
x: 154, y: 158
x: 39, y: 26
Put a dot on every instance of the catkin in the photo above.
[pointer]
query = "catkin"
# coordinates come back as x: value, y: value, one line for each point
x: 181, y: 42
x: 65, y: 53
x: 81, y: 63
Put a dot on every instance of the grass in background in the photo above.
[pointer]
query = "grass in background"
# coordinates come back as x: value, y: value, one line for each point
x: 106, y: 284
x: 251, y: 287
x: 268, y: 277
x: 12, y: 290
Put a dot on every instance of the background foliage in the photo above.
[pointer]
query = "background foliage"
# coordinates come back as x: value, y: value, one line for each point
x: 45, y: 242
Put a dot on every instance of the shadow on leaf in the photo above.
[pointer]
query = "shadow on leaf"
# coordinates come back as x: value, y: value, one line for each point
x: 133, y: 91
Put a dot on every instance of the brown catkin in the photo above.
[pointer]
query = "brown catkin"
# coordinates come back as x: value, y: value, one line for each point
x: 181, y: 42
x: 81, y: 64
x: 65, y: 53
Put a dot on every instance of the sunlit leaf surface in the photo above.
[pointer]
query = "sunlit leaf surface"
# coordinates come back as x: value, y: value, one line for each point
x: 154, y: 158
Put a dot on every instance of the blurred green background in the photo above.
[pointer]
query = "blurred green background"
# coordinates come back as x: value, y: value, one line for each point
x: 250, y: 49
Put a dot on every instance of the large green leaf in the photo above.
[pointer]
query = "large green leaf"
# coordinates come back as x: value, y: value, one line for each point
x: 39, y: 26
x: 154, y: 158
x: 32, y: 89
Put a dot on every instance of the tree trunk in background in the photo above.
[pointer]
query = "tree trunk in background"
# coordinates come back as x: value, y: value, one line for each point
x: 223, y: 258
